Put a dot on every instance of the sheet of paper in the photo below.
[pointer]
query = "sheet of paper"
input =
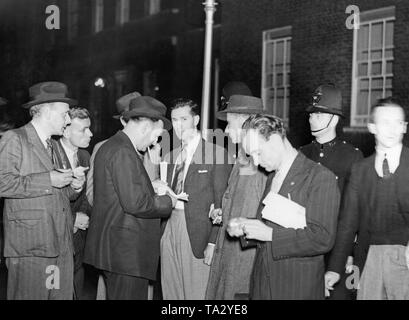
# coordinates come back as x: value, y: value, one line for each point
x: 163, y: 170
x: 283, y: 211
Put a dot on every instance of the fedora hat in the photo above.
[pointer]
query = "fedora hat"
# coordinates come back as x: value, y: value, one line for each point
x: 50, y: 91
x: 241, y: 104
x: 327, y: 98
x: 145, y: 106
x: 122, y: 104
x: 3, y: 101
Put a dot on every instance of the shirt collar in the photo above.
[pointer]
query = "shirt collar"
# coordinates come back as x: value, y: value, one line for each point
x: 68, y: 150
x: 327, y: 144
x: 391, y: 153
x: 287, y: 162
x: 41, y: 134
x: 192, y: 144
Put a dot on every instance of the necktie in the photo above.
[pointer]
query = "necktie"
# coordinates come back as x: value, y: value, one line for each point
x: 177, y: 184
x: 75, y: 161
x: 50, y: 150
x: 385, y: 168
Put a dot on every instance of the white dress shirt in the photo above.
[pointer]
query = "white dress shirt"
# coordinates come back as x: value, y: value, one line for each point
x: 190, y: 151
x: 71, y: 154
x: 392, y: 155
x: 282, y: 172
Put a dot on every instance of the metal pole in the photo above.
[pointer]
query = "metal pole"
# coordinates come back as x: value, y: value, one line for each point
x: 209, y: 8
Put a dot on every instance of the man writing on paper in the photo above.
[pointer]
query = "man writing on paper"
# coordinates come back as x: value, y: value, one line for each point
x: 289, y: 262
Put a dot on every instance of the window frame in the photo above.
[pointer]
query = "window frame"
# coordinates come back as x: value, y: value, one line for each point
x: 274, y: 36
x: 370, y: 18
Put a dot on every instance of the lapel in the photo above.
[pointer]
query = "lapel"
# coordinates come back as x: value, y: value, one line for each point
x: 38, y: 147
x: 294, y: 175
x: 197, y: 158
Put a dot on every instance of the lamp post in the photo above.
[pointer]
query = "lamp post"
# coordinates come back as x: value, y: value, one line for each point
x: 210, y: 9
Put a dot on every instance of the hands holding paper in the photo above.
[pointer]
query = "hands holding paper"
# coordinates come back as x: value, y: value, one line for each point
x: 161, y: 188
x: 250, y: 228
x: 78, y: 178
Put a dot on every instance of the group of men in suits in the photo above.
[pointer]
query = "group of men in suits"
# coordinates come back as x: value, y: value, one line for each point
x: 126, y: 221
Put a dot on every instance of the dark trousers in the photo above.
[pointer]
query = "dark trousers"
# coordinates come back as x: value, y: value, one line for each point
x: 123, y: 287
x: 79, y: 283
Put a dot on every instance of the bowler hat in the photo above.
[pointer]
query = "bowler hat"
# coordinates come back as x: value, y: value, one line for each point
x: 145, y: 106
x: 50, y: 91
x: 327, y: 98
x: 122, y: 104
x: 241, y: 104
x: 3, y: 101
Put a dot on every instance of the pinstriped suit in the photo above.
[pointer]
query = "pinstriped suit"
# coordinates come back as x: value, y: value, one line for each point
x: 291, y: 266
x: 37, y: 219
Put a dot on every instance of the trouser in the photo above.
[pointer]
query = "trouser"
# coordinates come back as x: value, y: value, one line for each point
x: 38, y: 278
x: 385, y: 275
x: 79, y: 283
x: 124, y: 287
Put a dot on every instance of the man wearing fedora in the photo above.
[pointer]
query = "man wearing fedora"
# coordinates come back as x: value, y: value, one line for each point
x: 327, y: 149
x: 124, y: 232
x: 37, y: 215
x: 232, y: 265
x: 122, y: 105
x: 201, y: 169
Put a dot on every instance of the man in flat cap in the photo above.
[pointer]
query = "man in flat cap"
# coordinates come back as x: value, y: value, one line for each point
x: 124, y: 232
x: 327, y: 149
x: 37, y: 215
x: 232, y: 264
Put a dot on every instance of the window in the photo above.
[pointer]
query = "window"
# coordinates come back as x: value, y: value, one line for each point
x: 276, y: 71
x: 122, y: 12
x: 372, y: 71
x: 98, y: 15
x: 152, y: 7
x: 72, y: 19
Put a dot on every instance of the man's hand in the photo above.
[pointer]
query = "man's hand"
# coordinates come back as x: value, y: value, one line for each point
x: 78, y: 183
x: 81, y: 221
x: 407, y: 255
x: 330, y: 278
x: 61, y: 178
x: 235, y: 227
x: 79, y: 172
x: 160, y: 187
x: 215, y: 215
x: 255, y: 229
x: 349, y: 265
x: 208, y: 254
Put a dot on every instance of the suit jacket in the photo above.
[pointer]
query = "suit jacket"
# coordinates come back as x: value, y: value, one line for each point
x: 78, y: 205
x: 124, y: 232
x: 358, y: 206
x: 291, y: 266
x: 205, y: 183
x: 37, y: 217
